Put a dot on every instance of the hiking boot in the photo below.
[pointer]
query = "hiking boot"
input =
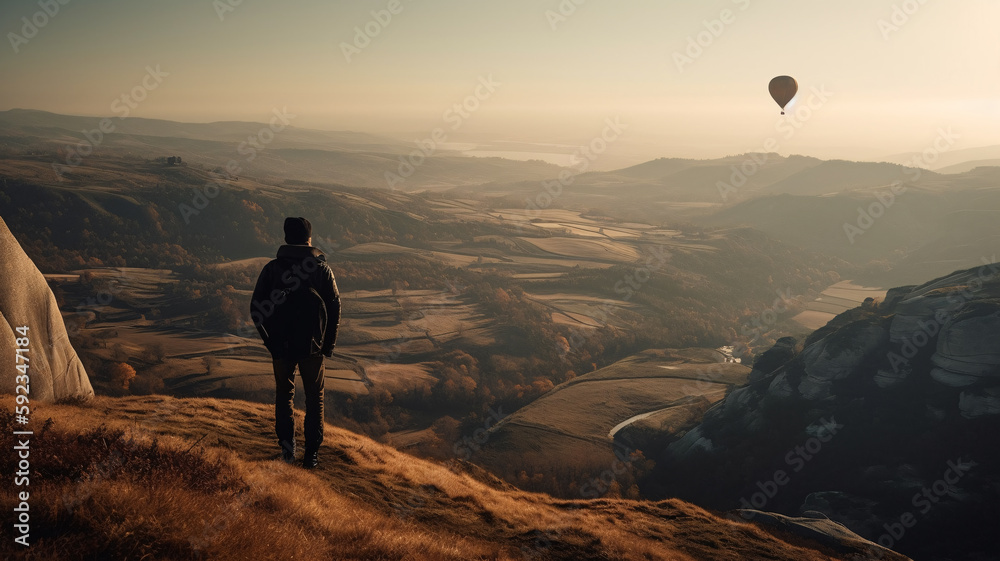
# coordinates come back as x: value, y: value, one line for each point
x: 311, y: 459
x: 287, y: 451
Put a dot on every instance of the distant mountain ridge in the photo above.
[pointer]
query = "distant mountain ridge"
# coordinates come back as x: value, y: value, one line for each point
x: 953, y: 161
x: 34, y: 122
x: 732, y: 179
x: 364, y: 160
x: 274, y: 150
x: 970, y: 166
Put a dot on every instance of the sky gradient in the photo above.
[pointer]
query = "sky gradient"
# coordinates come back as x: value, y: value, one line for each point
x: 889, y: 89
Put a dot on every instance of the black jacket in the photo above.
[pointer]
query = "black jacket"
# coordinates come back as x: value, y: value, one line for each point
x: 296, y: 265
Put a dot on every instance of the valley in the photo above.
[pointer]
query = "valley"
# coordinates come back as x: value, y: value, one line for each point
x: 576, y: 342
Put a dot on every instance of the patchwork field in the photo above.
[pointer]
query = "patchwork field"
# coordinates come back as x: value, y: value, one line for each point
x: 197, y: 363
x: 581, y: 310
x: 380, y: 326
x: 835, y: 300
x: 598, y: 250
x: 383, y: 334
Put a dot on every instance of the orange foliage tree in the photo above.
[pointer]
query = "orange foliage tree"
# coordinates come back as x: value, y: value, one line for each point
x: 122, y: 374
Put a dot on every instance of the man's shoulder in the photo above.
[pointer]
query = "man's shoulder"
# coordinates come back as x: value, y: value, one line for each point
x: 269, y: 266
x: 300, y: 253
x: 305, y: 261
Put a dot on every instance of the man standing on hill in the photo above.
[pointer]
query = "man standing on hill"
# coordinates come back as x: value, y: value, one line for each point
x: 296, y: 309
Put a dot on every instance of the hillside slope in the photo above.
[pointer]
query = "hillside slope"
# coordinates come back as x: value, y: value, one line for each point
x: 209, y: 488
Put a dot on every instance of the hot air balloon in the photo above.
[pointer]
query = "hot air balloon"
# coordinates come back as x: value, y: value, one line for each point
x: 783, y: 89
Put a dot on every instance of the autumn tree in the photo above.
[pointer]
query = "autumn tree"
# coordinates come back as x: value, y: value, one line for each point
x: 121, y: 374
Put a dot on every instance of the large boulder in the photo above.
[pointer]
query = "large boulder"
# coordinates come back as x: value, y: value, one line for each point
x: 26, y: 301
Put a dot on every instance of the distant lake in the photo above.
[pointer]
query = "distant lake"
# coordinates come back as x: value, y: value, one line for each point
x: 550, y: 157
x: 488, y: 150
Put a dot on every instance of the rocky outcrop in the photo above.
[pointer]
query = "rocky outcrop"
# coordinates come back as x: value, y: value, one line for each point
x: 968, y: 347
x: 837, y: 357
x: 54, y: 369
x: 912, y: 386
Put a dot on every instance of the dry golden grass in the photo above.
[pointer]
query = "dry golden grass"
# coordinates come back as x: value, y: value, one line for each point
x: 167, y: 478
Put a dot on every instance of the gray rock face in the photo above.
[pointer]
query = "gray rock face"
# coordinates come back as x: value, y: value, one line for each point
x: 780, y: 386
x: 917, y: 315
x: 54, y: 369
x: 825, y: 364
x: 693, y: 440
x: 933, y: 302
x: 920, y: 314
x: 968, y: 347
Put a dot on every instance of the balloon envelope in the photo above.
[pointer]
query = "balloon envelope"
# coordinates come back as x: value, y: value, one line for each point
x: 783, y: 89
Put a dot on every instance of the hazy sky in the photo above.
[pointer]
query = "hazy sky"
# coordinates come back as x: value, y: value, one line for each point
x: 890, y: 88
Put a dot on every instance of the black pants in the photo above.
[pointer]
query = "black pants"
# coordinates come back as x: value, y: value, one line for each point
x: 311, y: 370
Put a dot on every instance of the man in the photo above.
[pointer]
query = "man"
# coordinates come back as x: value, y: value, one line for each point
x: 296, y: 309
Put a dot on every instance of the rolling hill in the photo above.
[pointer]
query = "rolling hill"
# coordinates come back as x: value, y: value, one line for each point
x: 923, y: 231
x: 837, y: 176
x: 970, y: 165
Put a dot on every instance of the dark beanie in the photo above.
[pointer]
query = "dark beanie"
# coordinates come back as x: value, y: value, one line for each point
x: 298, y: 230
